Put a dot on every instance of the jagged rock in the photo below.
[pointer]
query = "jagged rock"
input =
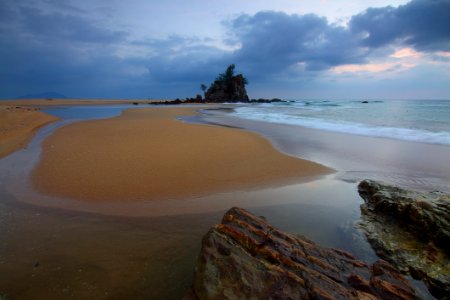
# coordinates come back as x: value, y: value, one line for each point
x: 233, y: 91
x: 411, y: 230
x: 244, y: 257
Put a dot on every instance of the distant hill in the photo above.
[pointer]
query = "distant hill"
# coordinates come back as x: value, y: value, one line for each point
x: 43, y: 95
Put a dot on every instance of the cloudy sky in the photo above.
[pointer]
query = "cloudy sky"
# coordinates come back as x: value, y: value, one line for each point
x: 286, y: 48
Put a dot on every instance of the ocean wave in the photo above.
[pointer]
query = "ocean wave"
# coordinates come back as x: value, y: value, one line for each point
x: 407, y: 134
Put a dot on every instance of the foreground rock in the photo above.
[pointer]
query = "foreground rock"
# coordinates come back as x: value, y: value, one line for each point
x: 411, y: 230
x: 246, y: 258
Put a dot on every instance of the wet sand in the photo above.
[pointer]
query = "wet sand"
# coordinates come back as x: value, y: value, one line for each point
x: 18, y: 125
x: 146, y: 154
x: 50, y: 253
x: 71, y: 102
x: 411, y: 165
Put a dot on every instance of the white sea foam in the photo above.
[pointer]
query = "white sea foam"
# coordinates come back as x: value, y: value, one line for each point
x: 416, y: 135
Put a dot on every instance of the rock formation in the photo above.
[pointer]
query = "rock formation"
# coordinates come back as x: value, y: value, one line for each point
x: 226, y: 88
x: 232, y: 90
x: 411, y: 230
x: 246, y: 258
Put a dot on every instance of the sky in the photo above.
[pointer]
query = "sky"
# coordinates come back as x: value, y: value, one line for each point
x: 292, y: 49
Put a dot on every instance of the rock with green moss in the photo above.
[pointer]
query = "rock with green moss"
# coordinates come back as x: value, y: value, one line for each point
x: 411, y: 230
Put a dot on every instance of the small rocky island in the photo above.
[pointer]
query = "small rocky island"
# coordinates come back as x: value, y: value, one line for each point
x: 245, y: 257
x: 411, y: 230
x: 227, y: 88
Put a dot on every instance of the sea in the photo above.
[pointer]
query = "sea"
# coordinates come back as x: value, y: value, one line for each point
x: 424, y: 121
x: 400, y: 142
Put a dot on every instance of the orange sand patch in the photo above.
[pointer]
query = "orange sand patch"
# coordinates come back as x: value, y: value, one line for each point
x: 18, y: 125
x: 147, y: 154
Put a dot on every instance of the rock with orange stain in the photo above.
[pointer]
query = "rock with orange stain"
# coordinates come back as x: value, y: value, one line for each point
x: 244, y: 257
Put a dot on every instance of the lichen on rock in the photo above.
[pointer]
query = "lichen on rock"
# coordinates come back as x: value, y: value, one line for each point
x: 411, y: 230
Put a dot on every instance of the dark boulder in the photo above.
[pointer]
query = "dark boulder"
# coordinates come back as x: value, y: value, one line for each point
x: 411, y: 230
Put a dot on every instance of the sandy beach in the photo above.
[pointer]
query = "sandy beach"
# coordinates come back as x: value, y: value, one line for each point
x: 18, y: 125
x: 146, y: 154
x: 145, y: 187
x: 63, y: 102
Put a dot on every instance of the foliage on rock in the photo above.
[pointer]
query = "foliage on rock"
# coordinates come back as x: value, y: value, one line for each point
x: 228, y: 87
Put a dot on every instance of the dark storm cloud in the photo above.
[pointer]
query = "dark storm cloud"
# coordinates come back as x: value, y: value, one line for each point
x: 422, y: 24
x: 55, y: 50
x: 75, y: 29
x: 182, y: 59
x: 51, y: 45
x: 275, y: 41
x: 270, y: 43
x: 36, y: 24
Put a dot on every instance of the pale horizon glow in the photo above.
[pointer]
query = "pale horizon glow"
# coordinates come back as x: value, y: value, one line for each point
x: 406, y: 52
x: 371, y: 68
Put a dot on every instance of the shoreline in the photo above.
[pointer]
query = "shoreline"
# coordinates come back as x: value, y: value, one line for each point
x: 354, y: 157
x: 184, y: 159
x: 72, y: 102
x: 18, y: 125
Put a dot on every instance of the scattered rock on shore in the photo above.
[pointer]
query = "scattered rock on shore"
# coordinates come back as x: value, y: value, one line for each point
x: 244, y: 257
x: 411, y: 230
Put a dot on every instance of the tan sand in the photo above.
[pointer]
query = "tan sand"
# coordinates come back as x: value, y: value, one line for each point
x: 147, y: 154
x: 18, y: 125
x: 61, y: 102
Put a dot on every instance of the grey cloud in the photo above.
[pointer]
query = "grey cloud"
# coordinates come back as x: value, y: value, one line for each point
x: 423, y: 24
x: 276, y: 41
x: 182, y: 59
x: 56, y: 51
x: 66, y: 51
x: 29, y: 20
x: 65, y: 27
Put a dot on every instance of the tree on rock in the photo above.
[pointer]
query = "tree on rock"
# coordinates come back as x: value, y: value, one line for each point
x: 228, y: 87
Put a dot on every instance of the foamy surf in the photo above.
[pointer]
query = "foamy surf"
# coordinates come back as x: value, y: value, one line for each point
x: 358, y: 119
